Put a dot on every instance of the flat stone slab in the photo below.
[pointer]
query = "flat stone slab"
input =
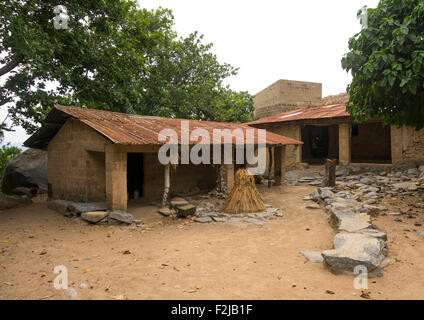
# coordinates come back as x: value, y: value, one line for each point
x: 335, y: 217
x: 410, y: 186
x: 322, y: 193
x: 80, y: 207
x: 60, y: 206
x: 165, y: 211
x: 374, y: 233
x: 312, y: 256
x: 355, y: 223
x: 255, y: 221
x: 94, y: 216
x: 353, y: 249
x: 178, y: 203
x: 186, y: 210
x: 219, y: 219
x: 203, y: 219
x: 121, y: 216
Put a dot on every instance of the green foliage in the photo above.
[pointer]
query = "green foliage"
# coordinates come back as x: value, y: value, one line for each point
x: 7, y: 153
x: 386, y: 60
x: 113, y: 56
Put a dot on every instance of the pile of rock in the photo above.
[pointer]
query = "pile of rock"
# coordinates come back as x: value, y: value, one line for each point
x: 358, y: 242
x: 93, y: 212
x: 208, y: 213
x: 179, y: 207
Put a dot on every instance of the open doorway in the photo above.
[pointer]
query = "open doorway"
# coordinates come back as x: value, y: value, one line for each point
x: 371, y: 142
x: 320, y: 142
x: 135, y: 175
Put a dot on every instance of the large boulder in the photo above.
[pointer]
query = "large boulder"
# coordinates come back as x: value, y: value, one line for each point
x: 28, y: 169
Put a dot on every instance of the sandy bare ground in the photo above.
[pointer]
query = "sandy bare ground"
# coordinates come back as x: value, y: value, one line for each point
x: 174, y: 259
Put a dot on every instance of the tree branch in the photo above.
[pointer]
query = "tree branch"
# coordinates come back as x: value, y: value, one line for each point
x: 14, y: 62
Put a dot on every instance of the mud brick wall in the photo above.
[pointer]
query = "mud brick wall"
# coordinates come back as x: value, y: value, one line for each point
x: 292, y: 154
x: 287, y: 95
x: 73, y: 172
x: 186, y: 178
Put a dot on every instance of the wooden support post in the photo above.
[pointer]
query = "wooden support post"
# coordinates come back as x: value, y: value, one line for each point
x: 167, y: 184
x: 344, y: 144
x: 116, y: 177
x: 330, y: 173
x: 229, y: 176
x: 269, y: 166
x: 280, y: 166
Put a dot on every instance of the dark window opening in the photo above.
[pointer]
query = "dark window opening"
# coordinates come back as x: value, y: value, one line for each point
x: 355, y: 130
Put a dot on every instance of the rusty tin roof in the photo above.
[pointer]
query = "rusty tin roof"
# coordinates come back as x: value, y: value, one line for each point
x: 322, y: 112
x: 130, y: 129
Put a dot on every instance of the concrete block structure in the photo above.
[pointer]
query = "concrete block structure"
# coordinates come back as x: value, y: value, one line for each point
x: 287, y: 95
x: 97, y: 155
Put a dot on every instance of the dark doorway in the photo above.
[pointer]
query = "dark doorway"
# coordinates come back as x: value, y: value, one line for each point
x: 315, y: 147
x: 135, y: 175
x: 371, y: 142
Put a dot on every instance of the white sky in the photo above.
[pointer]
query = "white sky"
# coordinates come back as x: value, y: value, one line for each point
x: 268, y: 40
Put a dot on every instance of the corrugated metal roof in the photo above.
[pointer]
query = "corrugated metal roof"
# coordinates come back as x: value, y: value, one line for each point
x: 323, y: 112
x: 129, y: 129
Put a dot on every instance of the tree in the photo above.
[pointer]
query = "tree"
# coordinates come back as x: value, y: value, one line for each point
x: 112, y: 56
x: 386, y: 60
x: 7, y: 153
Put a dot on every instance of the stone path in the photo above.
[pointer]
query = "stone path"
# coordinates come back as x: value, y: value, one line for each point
x: 358, y: 241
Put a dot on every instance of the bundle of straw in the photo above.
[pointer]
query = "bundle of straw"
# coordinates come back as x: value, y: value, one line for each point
x: 244, y: 197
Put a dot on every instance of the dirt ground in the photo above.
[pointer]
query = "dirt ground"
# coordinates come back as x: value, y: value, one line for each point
x: 176, y: 259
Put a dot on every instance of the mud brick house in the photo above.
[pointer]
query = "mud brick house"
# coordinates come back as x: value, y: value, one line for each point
x: 328, y: 131
x: 98, y: 155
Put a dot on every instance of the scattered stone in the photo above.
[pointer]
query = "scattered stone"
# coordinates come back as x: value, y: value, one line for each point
x: 386, y: 262
x: 178, y: 202
x: 374, y: 233
x: 165, y: 211
x: 312, y: 256
x: 81, y: 207
x: 94, y: 216
x: 203, y: 219
x: 313, y: 206
x: 219, y: 219
x: 121, y: 217
x: 255, y: 221
x: 405, y: 186
x: 355, y: 223
x: 186, y: 210
x: 397, y: 213
x: 352, y: 249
